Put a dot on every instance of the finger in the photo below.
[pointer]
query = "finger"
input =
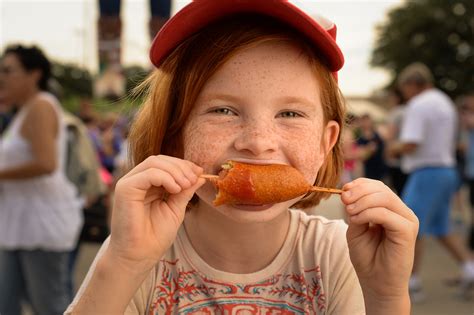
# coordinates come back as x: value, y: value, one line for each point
x: 365, y: 193
x: 171, y: 164
x: 138, y: 184
x: 384, y: 199
x: 188, y: 167
x: 389, y: 220
x: 185, y: 172
x: 359, y: 188
x: 180, y: 201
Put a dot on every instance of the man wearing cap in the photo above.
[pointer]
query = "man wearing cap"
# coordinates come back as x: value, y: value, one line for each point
x: 427, y: 147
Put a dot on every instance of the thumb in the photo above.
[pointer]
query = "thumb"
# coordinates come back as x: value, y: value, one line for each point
x: 354, y: 230
x: 181, y: 199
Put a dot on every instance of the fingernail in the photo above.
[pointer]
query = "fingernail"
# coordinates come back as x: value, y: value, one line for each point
x: 347, y: 193
x: 350, y: 207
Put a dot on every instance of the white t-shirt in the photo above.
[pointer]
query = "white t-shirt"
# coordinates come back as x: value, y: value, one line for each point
x: 312, y: 274
x: 430, y: 121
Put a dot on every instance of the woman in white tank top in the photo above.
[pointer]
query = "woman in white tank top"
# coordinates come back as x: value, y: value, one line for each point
x: 40, y: 214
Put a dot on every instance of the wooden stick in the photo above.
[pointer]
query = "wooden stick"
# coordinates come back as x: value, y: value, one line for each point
x: 328, y: 190
x: 314, y: 188
x: 208, y: 176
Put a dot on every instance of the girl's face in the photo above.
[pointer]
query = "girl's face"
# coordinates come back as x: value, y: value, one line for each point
x: 262, y: 106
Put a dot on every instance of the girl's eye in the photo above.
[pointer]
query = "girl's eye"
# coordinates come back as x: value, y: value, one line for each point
x: 289, y: 114
x: 222, y: 111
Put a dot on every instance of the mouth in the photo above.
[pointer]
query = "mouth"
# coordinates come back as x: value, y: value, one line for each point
x: 257, y: 162
x: 218, y: 169
x: 245, y: 207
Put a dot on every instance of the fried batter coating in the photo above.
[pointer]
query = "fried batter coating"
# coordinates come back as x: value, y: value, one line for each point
x: 254, y: 184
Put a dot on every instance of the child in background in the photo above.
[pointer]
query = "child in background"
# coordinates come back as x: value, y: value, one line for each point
x: 251, y: 81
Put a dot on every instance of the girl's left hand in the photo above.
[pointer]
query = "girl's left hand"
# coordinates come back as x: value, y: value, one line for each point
x: 381, y: 238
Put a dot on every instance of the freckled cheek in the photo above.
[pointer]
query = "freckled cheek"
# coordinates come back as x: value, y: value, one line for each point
x: 306, y: 151
x: 205, y: 145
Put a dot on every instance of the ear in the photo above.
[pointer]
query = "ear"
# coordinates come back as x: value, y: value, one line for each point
x: 329, y: 138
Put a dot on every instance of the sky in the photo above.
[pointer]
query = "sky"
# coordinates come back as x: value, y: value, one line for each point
x: 66, y: 31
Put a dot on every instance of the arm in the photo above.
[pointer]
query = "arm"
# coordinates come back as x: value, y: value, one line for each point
x: 111, y: 286
x: 144, y: 226
x: 381, y: 238
x: 40, y: 129
x: 411, y: 134
x: 401, y: 148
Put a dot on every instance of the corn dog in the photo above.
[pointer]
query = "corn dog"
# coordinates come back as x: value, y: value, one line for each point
x: 252, y: 184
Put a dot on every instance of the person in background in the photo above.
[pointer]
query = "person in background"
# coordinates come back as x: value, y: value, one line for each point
x: 373, y: 145
x: 396, y: 104
x: 353, y: 153
x: 109, y: 142
x: 467, y: 118
x: 427, y: 145
x: 40, y: 213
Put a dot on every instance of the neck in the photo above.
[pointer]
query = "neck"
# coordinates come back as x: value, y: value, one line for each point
x: 235, y: 247
x: 27, y: 95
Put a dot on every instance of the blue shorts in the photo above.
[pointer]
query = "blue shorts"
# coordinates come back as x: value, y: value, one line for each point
x: 428, y: 192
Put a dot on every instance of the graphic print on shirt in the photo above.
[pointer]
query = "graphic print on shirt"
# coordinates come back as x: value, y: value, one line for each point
x: 189, y: 292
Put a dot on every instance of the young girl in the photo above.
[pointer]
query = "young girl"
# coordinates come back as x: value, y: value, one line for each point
x: 251, y: 81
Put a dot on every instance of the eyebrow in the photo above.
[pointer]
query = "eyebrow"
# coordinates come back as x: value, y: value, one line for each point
x: 219, y: 96
x: 298, y: 100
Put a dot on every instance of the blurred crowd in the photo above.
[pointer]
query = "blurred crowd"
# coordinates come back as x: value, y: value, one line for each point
x: 57, y: 173
x: 424, y: 150
x: 60, y: 168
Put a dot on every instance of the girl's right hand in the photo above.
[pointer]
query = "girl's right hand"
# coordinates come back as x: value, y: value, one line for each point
x: 149, y: 207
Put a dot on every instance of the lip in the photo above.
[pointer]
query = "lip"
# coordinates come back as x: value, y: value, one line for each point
x: 255, y: 161
x: 253, y: 207
x: 249, y: 161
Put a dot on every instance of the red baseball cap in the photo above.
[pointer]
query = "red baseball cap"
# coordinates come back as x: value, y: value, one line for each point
x: 200, y: 13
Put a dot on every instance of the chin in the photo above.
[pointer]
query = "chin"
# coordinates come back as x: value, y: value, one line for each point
x: 245, y: 214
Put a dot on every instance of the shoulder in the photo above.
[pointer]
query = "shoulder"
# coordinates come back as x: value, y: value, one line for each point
x: 430, y: 98
x: 44, y: 105
x: 321, y: 232
x: 310, y: 220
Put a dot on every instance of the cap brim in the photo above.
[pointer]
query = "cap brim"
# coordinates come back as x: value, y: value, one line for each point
x: 200, y: 13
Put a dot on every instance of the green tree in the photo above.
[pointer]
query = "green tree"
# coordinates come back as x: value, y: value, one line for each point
x: 73, y: 80
x: 438, y: 33
x: 134, y: 76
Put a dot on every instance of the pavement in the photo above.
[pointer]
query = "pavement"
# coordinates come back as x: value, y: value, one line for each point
x: 437, y: 266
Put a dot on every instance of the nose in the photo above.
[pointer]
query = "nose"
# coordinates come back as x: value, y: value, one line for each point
x: 257, y: 138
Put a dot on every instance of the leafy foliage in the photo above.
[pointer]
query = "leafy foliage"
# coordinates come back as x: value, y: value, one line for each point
x: 74, y: 83
x: 73, y: 80
x: 438, y: 33
x: 135, y: 75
